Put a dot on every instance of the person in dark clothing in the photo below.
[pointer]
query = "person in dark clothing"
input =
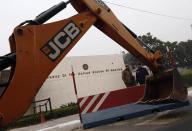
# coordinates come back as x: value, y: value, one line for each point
x: 127, y: 77
x: 141, y: 74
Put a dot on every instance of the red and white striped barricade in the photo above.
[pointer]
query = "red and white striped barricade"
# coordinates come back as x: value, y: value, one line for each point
x: 108, y: 100
x: 111, y: 106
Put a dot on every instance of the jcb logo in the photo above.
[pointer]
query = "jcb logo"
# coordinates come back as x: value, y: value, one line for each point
x: 56, y: 46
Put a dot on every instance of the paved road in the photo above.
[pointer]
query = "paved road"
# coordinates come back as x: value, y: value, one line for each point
x: 62, y: 124
x: 175, y: 120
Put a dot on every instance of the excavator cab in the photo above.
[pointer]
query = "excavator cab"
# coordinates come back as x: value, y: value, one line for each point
x: 37, y: 48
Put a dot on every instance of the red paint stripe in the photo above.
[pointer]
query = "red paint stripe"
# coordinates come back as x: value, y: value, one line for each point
x: 122, y: 97
x: 86, y: 103
x: 116, y: 98
x: 80, y: 99
x: 96, y: 102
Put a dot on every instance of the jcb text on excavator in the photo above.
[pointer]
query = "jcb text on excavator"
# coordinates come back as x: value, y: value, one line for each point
x: 58, y: 43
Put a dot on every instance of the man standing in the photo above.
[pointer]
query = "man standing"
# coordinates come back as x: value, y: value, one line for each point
x: 141, y: 73
x: 127, y: 77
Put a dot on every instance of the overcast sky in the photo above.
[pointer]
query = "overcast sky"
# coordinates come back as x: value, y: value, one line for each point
x: 13, y: 12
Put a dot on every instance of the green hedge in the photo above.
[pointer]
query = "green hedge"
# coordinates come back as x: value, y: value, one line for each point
x: 35, y: 119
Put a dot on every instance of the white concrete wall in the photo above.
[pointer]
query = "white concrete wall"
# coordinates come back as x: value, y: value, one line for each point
x: 103, y: 74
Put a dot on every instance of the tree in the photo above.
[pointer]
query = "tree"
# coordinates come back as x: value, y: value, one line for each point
x: 181, y: 51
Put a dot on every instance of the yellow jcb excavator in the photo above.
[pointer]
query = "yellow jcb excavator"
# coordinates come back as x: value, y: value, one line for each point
x: 36, y: 49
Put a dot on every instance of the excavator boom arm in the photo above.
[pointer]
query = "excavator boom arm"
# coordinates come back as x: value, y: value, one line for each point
x: 108, y: 23
x: 38, y: 50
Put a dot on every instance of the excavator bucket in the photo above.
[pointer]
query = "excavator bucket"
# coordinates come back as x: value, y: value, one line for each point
x: 167, y: 87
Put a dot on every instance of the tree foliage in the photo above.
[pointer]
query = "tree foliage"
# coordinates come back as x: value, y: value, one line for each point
x: 181, y: 52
